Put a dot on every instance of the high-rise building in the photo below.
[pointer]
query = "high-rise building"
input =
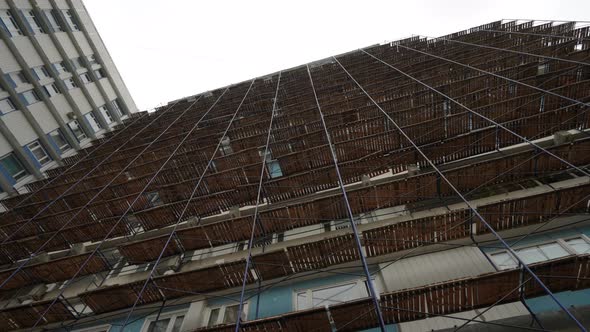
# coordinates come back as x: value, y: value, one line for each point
x: 422, y: 184
x: 59, y: 87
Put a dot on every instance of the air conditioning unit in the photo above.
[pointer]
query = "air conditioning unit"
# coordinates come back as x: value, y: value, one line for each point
x: 366, y: 180
x: 234, y: 211
x: 71, y: 115
x: 562, y: 137
x: 413, y: 169
x: 169, y: 266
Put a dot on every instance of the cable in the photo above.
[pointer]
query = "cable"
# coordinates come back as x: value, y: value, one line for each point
x: 29, y: 195
x: 24, y: 262
x: 255, y: 214
x: 359, y: 246
x: 471, y: 207
x: 149, y: 277
x: 126, y: 211
x: 71, y: 187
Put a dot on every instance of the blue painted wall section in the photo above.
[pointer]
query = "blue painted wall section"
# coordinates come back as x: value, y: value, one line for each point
x: 578, y: 298
x: 53, y: 144
x: 135, y: 322
x: 7, y: 175
x: 32, y: 156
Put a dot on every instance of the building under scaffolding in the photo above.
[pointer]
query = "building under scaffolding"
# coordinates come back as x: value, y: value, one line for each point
x: 423, y: 184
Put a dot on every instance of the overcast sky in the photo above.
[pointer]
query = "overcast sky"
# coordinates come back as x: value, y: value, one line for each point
x: 167, y: 49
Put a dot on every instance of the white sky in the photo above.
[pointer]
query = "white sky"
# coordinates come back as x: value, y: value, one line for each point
x: 167, y: 49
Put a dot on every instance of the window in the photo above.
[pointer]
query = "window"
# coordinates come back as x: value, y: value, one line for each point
x: 59, y: 140
x: 91, y: 118
x: 71, y: 20
x: 70, y: 83
x: 30, y: 97
x: 99, y: 74
x: 92, y: 60
x: 10, y: 23
x: 51, y: 89
x: 164, y: 323
x: 273, y: 167
x: 79, y: 63
x: 504, y: 260
x: 579, y: 245
x: 226, y: 314
x: 53, y: 20
x: 60, y: 67
x: 543, y: 69
x: 106, y: 114
x: 529, y: 255
x: 41, y: 72
x: 39, y: 152
x: 225, y: 147
x: 325, y: 296
x: 512, y: 87
x: 19, y: 77
x: 6, y: 106
x: 85, y: 78
x: 154, y: 198
x: 542, y: 104
x: 77, y: 130
x: 117, y: 107
x: 34, y: 22
x: 13, y: 167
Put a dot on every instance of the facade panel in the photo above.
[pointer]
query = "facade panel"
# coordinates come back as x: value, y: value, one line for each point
x: 392, y: 188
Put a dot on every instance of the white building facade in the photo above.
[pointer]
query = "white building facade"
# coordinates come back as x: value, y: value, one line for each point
x: 59, y: 87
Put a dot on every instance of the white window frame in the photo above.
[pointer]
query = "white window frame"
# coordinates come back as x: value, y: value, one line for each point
x: 37, y: 146
x: 10, y: 104
x: 93, y: 121
x: 71, y: 20
x: 173, y: 315
x: 99, y: 73
x: 41, y: 72
x: 33, y: 21
x: 108, y: 117
x: 359, y: 284
x: 579, y: 236
x: 85, y: 78
x: 31, y: 97
x: 10, y: 23
x: 561, y: 242
x: 65, y: 146
x: 51, y: 89
x: 221, y: 316
x: 70, y: 83
x: 22, y: 173
x: 83, y: 134
x: 117, y: 107
x: 61, y: 67
x: 53, y: 21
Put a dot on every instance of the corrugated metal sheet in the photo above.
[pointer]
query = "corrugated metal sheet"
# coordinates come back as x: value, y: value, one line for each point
x: 436, y: 267
x: 438, y: 323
